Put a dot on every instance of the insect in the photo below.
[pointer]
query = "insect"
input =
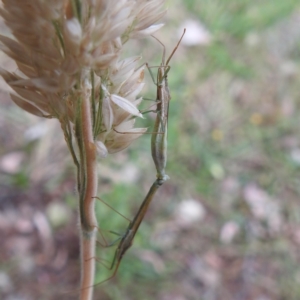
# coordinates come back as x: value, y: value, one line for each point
x: 159, y: 155
x: 160, y: 131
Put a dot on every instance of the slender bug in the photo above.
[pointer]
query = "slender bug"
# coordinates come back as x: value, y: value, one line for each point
x: 159, y: 155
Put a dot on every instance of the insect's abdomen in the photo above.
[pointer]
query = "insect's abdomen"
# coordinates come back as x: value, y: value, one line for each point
x: 159, y: 147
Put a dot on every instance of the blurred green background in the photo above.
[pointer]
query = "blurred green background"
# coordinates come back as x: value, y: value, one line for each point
x: 226, y: 226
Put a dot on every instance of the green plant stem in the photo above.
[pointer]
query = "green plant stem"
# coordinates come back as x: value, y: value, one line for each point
x: 88, y: 190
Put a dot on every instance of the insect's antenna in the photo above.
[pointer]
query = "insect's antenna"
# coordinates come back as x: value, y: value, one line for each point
x: 164, y: 51
x: 167, y: 62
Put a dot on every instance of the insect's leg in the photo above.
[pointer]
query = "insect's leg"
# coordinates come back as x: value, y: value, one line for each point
x: 110, y: 268
x: 112, y: 208
x: 100, y: 261
x: 151, y: 74
x: 165, y: 73
x: 107, y: 245
x: 113, y: 261
x: 107, y: 279
x: 164, y: 50
x: 149, y: 99
x: 102, y: 236
x: 150, y: 110
x: 112, y: 276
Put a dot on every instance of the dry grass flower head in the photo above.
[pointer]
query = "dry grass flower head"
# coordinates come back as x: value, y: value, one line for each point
x: 66, y: 50
x: 68, y: 54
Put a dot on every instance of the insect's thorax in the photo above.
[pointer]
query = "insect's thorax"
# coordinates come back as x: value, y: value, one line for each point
x: 163, y: 93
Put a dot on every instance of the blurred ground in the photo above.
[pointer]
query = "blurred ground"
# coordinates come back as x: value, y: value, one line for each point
x: 227, y: 224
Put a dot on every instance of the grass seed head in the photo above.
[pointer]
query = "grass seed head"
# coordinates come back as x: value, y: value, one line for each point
x: 56, y: 48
